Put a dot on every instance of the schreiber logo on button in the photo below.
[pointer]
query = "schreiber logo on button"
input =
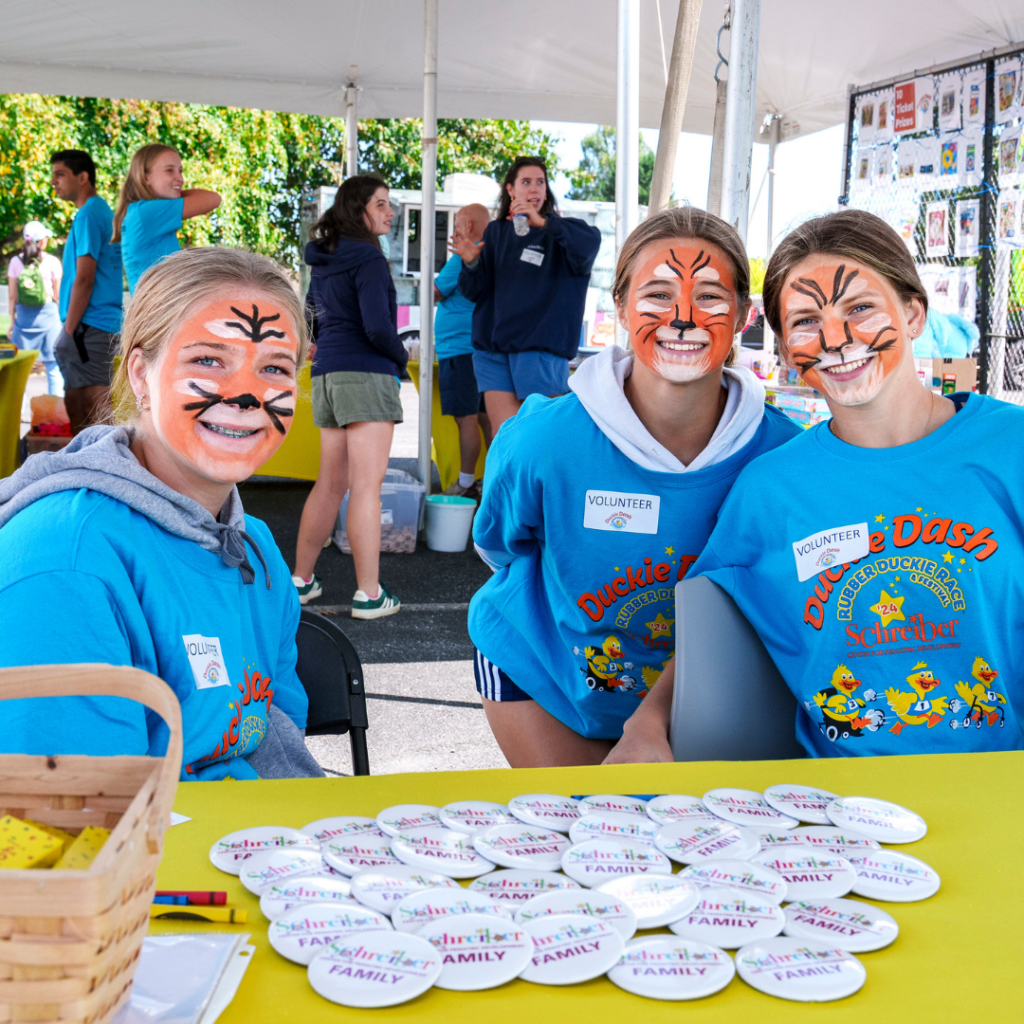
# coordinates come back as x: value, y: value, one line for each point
x: 620, y: 512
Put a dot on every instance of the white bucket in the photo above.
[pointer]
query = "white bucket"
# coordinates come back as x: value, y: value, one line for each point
x: 449, y: 521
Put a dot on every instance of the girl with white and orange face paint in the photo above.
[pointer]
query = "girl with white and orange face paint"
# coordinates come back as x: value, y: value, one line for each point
x: 655, y: 438
x: 220, y: 396
x: 139, y: 527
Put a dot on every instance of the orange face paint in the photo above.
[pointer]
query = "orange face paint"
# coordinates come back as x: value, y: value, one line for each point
x: 843, y: 329
x: 682, y: 311
x: 224, y: 391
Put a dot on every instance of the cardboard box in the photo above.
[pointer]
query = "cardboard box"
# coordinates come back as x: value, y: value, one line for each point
x: 951, y: 375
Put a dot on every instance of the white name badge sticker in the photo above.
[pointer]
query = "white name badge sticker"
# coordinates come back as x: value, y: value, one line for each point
x: 656, y: 900
x: 849, y: 924
x: 517, y: 886
x: 588, y: 902
x: 230, y: 852
x: 206, y: 660
x: 877, y: 819
x: 534, y: 256
x: 620, y: 512
x: 728, y: 919
x: 478, y: 952
x: 284, y: 896
x: 662, y: 967
x: 375, y: 969
x: 302, y: 933
x: 263, y: 870
x: 800, y: 969
x: 743, y: 876
x: 571, y: 948
x: 384, y: 888
x: 823, y: 550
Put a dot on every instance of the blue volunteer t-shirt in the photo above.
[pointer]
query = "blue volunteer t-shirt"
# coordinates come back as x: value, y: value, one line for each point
x: 453, y: 325
x: 127, y: 592
x: 886, y: 583
x: 149, y: 232
x: 582, y: 614
x: 90, y: 236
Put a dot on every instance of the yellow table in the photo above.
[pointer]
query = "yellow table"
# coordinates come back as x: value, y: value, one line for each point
x: 444, y: 442
x: 13, y: 378
x: 299, y: 456
x: 957, y: 957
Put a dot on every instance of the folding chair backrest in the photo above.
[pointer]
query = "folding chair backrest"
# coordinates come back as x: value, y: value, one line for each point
x: 332, y: 676
x: 729, y: 703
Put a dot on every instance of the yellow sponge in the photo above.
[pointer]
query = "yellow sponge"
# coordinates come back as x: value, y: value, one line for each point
x: 82, y: 852
x: 25, y: 846
x: 66, y: 838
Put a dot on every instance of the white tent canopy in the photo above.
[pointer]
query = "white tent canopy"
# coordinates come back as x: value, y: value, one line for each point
x: 535, y: 59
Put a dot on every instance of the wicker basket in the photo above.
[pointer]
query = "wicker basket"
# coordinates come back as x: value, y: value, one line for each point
x: 70, y: 940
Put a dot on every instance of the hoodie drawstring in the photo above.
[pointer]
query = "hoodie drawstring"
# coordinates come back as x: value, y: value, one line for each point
x: 233, y: 553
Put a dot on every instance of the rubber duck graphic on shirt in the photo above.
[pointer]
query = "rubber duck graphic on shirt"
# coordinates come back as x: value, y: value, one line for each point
x: 984, y: 705
x: 916, y: 707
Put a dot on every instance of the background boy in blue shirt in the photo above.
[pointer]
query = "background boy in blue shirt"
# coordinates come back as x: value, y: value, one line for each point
x: 90, y: 291
x: 453, y: 341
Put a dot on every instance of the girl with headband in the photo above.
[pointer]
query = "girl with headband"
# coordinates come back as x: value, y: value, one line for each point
x: 135, y: 537
x: 596, y: 503
x: 881, y: 572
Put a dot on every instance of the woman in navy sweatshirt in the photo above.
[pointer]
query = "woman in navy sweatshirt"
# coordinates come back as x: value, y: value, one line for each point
x: 529, y: 290
x: 353, y: 311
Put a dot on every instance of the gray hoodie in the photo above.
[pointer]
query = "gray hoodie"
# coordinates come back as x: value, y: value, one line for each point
x: 100, y: 459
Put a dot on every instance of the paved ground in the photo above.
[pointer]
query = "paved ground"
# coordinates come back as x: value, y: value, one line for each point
x: 424, y: 710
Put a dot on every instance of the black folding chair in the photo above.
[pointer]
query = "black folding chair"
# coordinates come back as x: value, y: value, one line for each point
x: 332, y: 676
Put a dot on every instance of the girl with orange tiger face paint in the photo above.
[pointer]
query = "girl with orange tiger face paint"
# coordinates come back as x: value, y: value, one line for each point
x: 844, y: 328
x: 222, y: 392
x: 682, y: 309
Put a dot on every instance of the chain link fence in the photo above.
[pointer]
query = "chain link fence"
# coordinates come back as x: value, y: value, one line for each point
x: 939, y: 157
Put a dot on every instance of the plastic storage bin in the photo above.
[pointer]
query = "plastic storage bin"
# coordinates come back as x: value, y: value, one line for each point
x: 401, y: 497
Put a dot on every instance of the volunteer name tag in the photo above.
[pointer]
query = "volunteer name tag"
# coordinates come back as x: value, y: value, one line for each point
x: 206, y: 661
x: 621, y: 512
x: 534, y: 256
x: 832, y: 547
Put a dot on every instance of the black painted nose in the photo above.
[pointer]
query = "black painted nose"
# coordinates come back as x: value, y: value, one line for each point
x: 244, y: 402
x: 682, y: 325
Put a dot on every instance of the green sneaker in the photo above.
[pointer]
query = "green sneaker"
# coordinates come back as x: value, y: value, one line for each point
x: 363, y: 607
x: 307, y: 590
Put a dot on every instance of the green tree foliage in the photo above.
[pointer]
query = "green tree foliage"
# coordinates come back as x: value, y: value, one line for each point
x: 594, y: 178
x: 259, y: 161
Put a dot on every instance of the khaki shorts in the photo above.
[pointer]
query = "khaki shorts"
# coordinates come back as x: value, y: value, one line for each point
x: 341, y: 398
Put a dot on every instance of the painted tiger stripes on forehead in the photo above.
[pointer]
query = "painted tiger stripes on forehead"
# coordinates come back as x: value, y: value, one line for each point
x: 253, y: 326
x: 813, y: 289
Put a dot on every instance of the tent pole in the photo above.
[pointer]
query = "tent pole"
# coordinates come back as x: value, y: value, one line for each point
x: 427, y: 233
x: 351, y: 124
x: 675, y: 103
x: 714, y: 204
x: 627, y: 121
x: 740, y: 106
x: 774, y: 130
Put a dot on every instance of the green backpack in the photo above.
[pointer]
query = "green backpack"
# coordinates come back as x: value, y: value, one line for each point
x: 32, y: 286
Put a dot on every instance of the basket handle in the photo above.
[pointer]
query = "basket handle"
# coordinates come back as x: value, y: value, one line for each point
x: 97, y: 680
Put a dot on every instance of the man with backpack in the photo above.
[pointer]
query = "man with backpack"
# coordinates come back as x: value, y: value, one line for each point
x: 91, y: 292
x: 33, y: 284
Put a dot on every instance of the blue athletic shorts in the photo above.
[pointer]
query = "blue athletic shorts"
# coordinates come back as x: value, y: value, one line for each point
x: 492, y: 683
x: 456, y: 381
x: 523, y: 373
